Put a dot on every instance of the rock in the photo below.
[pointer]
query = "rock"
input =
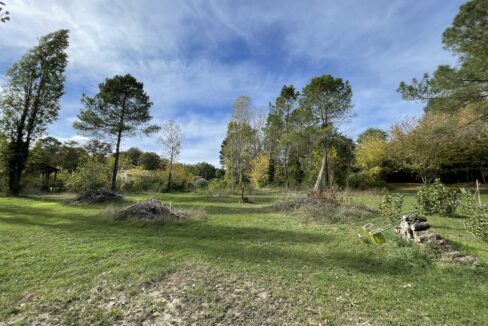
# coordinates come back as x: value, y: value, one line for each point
x: 97, y: 196
x: 420, y: 236
x: 433, y: 236
x: 464, y: 260
x: 419, y: 226
x: 151, y: 209
x: 453, y: 254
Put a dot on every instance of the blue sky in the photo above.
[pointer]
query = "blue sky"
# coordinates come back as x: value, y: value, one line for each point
x: 196, y: 57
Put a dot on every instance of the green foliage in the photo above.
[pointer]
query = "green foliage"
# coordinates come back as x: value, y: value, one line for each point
x: 363, y: 180
x: 326, y: 101
x: 436, y: 198
x: 200, y: 183
x: 391, y: 206
x: 217, y: 184
x: 451, y: 88
x: 259, y: 170
x: 120, y: 108
x: 97, y: 149
x: 30, y: 100
x: 241, y: 143
x: 202, y: 169
x: 478, y: 222
x: 151, y: 161
x: 88, y: 176
x: 371, y: 133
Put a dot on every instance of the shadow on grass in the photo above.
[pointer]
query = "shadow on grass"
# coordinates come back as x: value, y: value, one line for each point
x: 251, y: 245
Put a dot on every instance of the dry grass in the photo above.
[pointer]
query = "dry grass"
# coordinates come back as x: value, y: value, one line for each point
x: 328, y: 211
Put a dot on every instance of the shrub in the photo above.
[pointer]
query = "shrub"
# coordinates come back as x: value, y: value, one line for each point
x: 477, y: 222
x: 200, y: 184
x: 362, y: 180
x: 217, y: 184
x: 259, y: 176
x: 436, y: 198
x: 466, y: 202
x: 316, y: 209
x: 89, y: 175
x: 391, y: 206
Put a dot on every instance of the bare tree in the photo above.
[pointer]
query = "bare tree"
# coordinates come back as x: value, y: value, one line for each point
x: 171, y: 137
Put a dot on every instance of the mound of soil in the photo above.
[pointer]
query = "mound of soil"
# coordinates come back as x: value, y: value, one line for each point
x: 151, y: 209
x: 97, y: 196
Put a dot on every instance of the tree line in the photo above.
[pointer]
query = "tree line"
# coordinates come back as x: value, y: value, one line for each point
x: 297, y: 144
x: 302, y: 147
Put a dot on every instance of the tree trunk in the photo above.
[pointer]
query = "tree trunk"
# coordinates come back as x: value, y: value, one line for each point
x: 318, y: 183
x: 169, y: 173
x: 324, y: 169
x: 287, y: 178
x: 18, y: 153
x: 113, y: 187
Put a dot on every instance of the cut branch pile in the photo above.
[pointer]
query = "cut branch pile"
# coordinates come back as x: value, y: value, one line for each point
x: 151, y: 209
x: 97, y: 196
x: 416, y: 228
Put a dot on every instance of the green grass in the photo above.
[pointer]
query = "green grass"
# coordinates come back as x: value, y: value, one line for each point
x: 244, y: 265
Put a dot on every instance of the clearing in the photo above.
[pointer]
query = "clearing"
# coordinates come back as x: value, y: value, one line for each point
x: 243, y: 265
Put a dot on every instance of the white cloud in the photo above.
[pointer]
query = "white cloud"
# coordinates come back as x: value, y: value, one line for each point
x: 176, y: 48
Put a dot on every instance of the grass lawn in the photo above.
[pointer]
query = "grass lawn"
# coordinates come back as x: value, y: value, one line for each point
x: 244, y: 265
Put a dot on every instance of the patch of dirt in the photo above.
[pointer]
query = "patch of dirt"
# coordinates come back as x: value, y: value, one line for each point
x: 198, y: 297
x: 193, y: 296
x: 150, y: 209
x: 97, y: 196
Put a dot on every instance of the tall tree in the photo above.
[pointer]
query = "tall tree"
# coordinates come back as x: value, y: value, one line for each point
x: 327, y: 100
x: 47, y: 150
x: 30, y: 101
x: 121, y: 108
x: 371, y: 152
x: 279, y: 132
x: 420, y: 145
x: 239, y: 147
x: 98, y: 149
x: 171, y: 138
x: 451, y: 88
x: 134, y: 155
x: 150, y: 161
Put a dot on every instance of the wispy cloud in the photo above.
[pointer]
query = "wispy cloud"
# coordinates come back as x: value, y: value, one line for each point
x: 195, y: 57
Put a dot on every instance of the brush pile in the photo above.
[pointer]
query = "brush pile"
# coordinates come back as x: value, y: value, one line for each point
x: 97, y: 196
x: 149, y: 210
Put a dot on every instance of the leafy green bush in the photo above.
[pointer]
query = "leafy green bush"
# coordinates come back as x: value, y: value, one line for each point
x: 478, y: 222
x: 89, y: 175
x: 363, y: 181
x: 200, y: 183
x: 466, y: 202
x: 436, y: 198
x: 391, y: 206
x: 217, y: 184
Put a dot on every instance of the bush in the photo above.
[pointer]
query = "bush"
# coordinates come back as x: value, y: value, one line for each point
x: 89, y: 175
x: 217, y: 185
x: 200, y: 184
x: 391, y: 206
x: 318, y: 210
x: 436, y: 198
x: 478, y: 222
x: 363, y: 181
